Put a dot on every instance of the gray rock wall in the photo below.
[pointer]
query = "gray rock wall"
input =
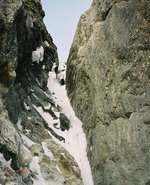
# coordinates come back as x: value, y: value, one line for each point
x: 108, y: 82
x: 23, y: 85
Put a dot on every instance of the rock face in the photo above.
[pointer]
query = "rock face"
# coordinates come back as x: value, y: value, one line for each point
x: 27, y: 53
x: 108, y: 82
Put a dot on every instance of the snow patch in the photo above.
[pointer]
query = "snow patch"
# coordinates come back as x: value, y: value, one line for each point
x: 46, y: 116
x: 46, y: 43
x: 4, y: 162
x: 26, y: 106
x: 19, y: 124
x: 35, y: 96
x: 37, y: 55
x: 57, y: 167
x: 46, y: 150
x: 34, y: 166
x: 29, y: 118
x: 27, y: 141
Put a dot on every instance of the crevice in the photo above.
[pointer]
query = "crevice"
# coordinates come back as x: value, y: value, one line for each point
x: 105, y: 14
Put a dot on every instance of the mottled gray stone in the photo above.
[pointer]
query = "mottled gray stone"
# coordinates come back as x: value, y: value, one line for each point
x: 108, y: 85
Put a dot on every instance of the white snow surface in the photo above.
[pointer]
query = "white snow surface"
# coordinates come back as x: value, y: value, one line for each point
x: 38, y: 54
x: 34, y: 166
x: 75, y: 140
x: 27, y: 141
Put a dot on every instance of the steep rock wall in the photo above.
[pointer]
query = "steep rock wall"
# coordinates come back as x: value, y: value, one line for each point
x: 108, y: 82
x: 24, y: 134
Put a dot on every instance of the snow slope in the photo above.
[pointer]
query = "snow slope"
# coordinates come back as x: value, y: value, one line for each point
x: 75, y: 140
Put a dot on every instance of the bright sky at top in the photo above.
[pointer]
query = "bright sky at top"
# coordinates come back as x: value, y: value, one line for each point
x: 61, y: 20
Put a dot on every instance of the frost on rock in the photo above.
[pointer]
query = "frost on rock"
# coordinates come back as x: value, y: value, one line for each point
x: 37, y: 55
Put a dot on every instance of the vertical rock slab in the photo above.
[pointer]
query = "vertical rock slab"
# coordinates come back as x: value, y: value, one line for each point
x: 108, y: 85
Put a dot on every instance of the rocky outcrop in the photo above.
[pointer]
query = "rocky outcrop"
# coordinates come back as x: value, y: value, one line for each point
x: 108, y: 82
x: 64, y: 122
x: 27, y: 53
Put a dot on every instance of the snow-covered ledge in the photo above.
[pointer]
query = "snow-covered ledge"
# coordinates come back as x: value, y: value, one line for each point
x: 38, y: 54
